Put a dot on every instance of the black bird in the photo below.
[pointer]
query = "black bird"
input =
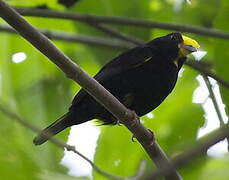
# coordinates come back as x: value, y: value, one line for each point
x: 141, y: 78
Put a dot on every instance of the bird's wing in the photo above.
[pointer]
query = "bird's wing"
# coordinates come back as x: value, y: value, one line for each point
x: 130, y: 59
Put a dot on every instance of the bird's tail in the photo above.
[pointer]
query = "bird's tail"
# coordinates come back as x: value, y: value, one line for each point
x: 56, y: 127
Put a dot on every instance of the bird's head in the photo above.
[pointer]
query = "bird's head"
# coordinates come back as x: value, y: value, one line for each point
x: 174, y: 47
x: 184, y: 44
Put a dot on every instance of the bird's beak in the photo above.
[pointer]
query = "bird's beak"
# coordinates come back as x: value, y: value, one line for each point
x: 188, y: 46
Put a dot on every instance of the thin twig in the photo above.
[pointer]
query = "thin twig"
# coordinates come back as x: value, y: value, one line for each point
x: 116, y: 33
x: 139, y: 173
x: 94, y: 24
x: 55, y: 141
x: 215, y: 104
x: 27, y: 124
x: 123, y: 21
x: 90, y: 40
x: 200, y: 147
x: 105, y: 98
x: 214, y: 101
x: 195, y: 65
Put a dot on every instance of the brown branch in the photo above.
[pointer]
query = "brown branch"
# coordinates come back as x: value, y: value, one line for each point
x: 200, y: 147
x: 124, y: 115
x: 90, y: 40
x: 123, y: 21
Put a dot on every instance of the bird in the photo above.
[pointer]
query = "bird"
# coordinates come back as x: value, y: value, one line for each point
x: 140, y: 78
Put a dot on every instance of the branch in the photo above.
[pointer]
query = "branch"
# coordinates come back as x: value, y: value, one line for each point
x: 198, y: 67
x: 214, y: 101
x: 193, y: 64
x: 90, y: 40
x: 58, y: 143
x: 27, y: 124
x: 215, y: 104
x: 116, y: 33
x: 140, y: 172
x: 93, y: 19
x: 124, y: 115
x: 200, y: 147
x: 123, y: 21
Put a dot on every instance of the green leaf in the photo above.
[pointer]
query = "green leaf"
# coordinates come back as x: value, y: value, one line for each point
x: 58, y: 176
x: 116, y: 153
x: 215, y: 169
x: 221, y: 48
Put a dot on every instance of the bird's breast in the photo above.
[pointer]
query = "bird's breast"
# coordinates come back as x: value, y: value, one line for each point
x: 149, y: 86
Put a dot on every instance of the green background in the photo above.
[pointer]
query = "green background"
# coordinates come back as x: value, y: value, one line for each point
x: 39, y: 92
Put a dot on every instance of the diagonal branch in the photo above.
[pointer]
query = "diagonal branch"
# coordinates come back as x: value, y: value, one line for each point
x: 215, y: 104
x: 116, y: 34
x: 88, y: 18
x: 60, y: 144
x: 200, y: 147
x: 14, y: 116
x: 198, y: 67
x: 124, y: 115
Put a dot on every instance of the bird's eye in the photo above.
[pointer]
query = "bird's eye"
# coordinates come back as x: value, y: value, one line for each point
x: 173, y: 37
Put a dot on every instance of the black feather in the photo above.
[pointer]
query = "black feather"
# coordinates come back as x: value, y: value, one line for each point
x: 141, y: 78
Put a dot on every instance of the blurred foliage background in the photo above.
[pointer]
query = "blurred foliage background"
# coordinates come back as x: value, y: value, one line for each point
x: 40, y: 92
